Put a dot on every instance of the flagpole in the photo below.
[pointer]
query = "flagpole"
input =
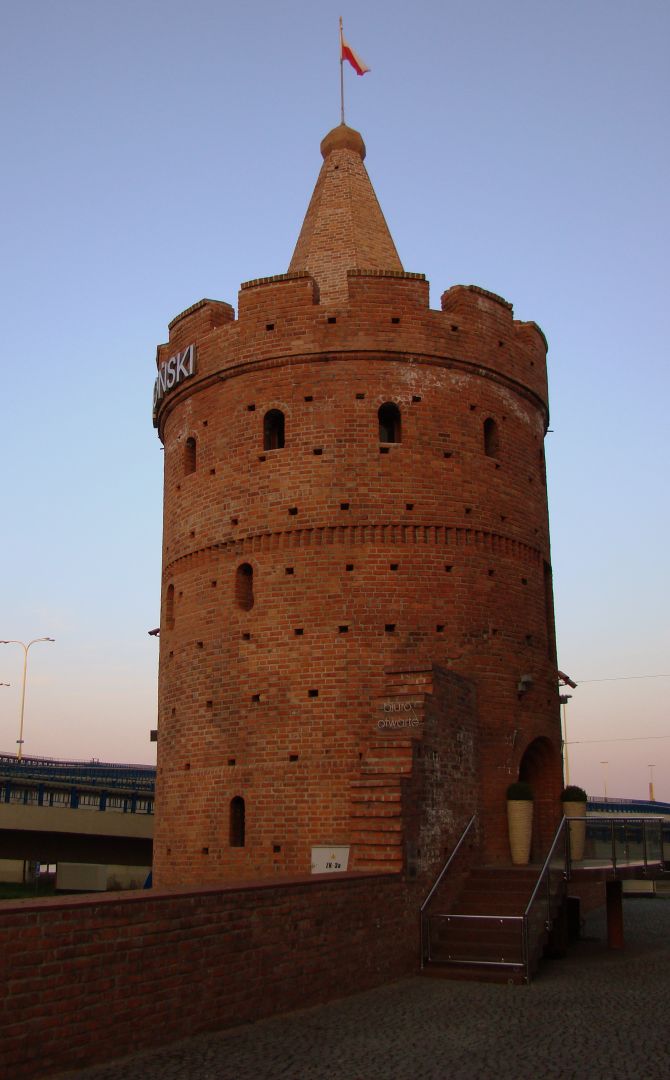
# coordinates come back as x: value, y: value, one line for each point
x: 341, y: 76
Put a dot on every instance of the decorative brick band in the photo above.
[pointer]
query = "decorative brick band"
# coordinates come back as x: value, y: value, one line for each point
x: 351, y: 535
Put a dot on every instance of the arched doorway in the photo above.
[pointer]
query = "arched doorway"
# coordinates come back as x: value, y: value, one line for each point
x: 540, y: 766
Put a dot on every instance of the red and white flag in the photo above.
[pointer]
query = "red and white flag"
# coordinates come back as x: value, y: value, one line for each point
x: 359, y: 66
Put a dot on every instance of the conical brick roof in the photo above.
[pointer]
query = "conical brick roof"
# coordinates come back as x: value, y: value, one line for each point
x: 344, y: 228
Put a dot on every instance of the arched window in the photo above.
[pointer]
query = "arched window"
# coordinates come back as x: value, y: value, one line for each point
x: 491, y: 440
x: 273, y: 430
x: 169, y: 607
x: 389, y: 422
x: 189, y: 455
x: 244, y: 586
x: 237, y: 821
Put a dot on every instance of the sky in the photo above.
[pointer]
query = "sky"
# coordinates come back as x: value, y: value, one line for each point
x: 157, y: 152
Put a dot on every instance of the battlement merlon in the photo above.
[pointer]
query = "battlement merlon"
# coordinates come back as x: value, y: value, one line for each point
x: 473, y: 302
x: 281, y: 318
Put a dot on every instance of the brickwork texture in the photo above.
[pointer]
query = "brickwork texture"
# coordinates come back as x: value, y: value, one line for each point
x: 355, y: 529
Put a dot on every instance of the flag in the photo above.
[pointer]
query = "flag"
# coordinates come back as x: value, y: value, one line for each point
x: 347, y: 53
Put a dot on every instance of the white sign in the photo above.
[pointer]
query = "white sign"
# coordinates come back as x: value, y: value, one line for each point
x: 173, y: 371
x: 399, y: 714
x: 329, y: 860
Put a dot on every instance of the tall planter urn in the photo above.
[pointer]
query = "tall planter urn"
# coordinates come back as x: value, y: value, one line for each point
x: 574, y: 806
x: 520, y: 821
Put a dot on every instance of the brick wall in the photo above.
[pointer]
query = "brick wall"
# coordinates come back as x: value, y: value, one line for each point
x: 89, y: 979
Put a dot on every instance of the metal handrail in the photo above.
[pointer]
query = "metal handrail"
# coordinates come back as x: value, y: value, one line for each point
x: 443, y: 871
x: 448, y: 863
x: 564, y: 832
x: 500, y: 918
x: 547, y: 861
x: 561, y: 836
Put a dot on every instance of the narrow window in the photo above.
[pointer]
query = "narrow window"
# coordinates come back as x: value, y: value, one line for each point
x: 273, y: 430
x: 244, y: 586
x: 237, y: 821
x: 169, y: 608
x: 389, y: 422
x: 189, y: 455
x: 491, y: 440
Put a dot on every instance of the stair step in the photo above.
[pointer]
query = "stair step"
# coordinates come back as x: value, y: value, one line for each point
x: 476, y: 929
x: 473, y: 953
x: 473, y: 973
x: 404, y: 673
x: 378, y: 768
x: 388, y: 753
x: 374, y: 782
x: 374, y: 858
x: 379, y: 829
x: 391, y: 740
x: 501, y: 903
x: 505, y: 876
x: 385, y: 840
x: 473, y: 948
x: 378, y: 800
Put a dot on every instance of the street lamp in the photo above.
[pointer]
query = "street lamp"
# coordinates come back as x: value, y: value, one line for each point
x: 651, y: 783
x: 565, y: 680
x: 604, y: 765
x: 564, y: 699
x: 25, y: 646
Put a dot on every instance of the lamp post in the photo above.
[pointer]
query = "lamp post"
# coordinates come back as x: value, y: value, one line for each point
x: 604, y: 765
x: 25, y: 646
x: 651, y: 783
x: 563, y: 681
x: 564, y: 699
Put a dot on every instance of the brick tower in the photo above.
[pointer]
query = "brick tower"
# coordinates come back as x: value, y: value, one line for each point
x: 357, y: 643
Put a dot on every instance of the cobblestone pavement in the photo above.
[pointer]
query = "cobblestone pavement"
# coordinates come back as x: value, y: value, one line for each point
x: 594, y: 1014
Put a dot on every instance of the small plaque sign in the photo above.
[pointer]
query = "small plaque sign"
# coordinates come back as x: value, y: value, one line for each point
x: 329, y: 860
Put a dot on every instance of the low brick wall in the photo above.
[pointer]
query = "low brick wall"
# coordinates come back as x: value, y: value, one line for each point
x: 86, y: 979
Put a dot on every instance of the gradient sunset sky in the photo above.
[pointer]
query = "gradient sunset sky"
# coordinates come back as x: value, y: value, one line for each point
x: 157, y: 153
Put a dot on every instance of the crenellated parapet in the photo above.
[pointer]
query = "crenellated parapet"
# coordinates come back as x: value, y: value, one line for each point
x: 281, y: 320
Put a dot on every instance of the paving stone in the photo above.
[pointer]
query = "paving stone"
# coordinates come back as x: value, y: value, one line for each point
x: 596, y: 1013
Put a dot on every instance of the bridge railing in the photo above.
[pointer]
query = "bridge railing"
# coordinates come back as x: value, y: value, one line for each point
x: 78, y: 773
x: 74, y: 798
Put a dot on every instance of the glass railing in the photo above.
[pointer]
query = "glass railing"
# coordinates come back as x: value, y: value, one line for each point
x: 618, y: 842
